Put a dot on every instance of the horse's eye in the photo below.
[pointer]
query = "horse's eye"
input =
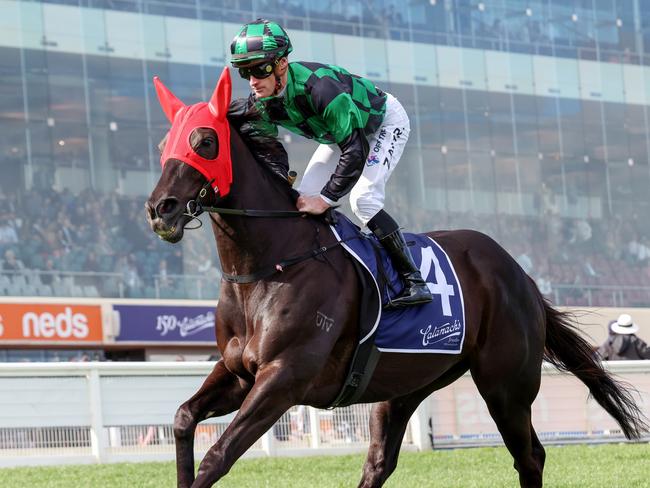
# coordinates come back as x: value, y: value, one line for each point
x: 204, y: 142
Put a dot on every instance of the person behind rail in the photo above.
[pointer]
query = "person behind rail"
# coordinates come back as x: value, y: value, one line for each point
x: 622, y: 342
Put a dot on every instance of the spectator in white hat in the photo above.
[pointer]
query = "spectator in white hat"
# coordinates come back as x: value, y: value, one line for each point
x: 622, y: 342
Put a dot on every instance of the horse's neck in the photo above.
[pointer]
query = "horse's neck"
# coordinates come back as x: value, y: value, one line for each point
x: 247, y: 244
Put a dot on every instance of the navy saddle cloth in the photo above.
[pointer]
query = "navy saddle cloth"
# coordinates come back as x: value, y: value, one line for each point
x: 435, y: 327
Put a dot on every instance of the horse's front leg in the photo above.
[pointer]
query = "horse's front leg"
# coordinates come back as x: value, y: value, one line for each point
x: 274, y: 392
x: 221, y: 393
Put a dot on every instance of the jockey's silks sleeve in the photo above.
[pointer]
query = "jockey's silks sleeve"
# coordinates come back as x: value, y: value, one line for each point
x: 346, y: 124
x: 332, y: 106
x: 354, y: 151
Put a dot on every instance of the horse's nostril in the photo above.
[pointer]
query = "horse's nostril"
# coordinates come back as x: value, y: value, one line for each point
x: 166, y: 206
x: 150, y: 210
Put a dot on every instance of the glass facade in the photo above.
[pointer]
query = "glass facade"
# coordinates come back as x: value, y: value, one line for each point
x: 529, y: 122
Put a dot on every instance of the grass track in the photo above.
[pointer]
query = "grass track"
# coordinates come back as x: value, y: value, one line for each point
x: 606, y: 466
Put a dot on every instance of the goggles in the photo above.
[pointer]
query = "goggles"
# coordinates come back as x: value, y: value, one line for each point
x: 259, y: 71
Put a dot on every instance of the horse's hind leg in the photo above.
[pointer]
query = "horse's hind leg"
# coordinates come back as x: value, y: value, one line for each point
x: 388, y: 421
x: 509, y: 401
x: 220, y: 394
x: 538, y: 450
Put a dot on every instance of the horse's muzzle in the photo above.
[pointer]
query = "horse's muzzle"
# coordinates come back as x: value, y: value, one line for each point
x: 163, y: 219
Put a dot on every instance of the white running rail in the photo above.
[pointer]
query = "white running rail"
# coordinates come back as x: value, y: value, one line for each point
x: 55, y: 413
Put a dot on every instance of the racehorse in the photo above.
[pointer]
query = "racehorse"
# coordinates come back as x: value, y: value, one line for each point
x: 274, y: 355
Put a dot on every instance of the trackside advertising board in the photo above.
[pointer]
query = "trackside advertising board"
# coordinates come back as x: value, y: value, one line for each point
x: 50, y: 323
x: 165, y: 324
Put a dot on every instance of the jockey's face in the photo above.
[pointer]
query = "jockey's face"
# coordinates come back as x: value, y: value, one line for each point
x: 262, y: 87
x: 267, y: 86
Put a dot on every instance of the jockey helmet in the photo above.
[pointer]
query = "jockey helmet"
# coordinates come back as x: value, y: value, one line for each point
x: 262, y: 40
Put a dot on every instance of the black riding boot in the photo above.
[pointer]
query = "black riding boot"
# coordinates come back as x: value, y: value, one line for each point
x: 387, y: 231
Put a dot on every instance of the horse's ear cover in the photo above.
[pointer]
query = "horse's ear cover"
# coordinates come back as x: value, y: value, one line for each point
x: 168, y: 101
x: 185, y: 119
x: 220, y: 100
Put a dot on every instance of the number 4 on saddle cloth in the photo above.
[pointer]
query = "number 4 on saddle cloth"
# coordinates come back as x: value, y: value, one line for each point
x: 434, y: 327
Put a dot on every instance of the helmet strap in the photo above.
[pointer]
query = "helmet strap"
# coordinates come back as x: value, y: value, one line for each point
x: 278, y: 85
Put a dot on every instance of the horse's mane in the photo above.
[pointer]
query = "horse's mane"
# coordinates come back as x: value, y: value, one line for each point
x: 270, y: 155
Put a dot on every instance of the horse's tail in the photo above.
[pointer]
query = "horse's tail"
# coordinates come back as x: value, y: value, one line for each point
x: 568, y: 351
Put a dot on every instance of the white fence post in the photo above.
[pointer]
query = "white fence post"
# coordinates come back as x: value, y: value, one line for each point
x: 314, y: 428
x: 97, y: 436
x: 420, y: 427
x: 268, y: 443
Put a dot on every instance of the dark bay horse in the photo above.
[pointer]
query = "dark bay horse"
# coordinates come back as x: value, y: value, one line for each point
x: 275, y: 356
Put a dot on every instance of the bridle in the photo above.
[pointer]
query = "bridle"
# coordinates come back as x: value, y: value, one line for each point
x: 194, y: 208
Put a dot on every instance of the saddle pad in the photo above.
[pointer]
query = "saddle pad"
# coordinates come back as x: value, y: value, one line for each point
x: 435, y: 327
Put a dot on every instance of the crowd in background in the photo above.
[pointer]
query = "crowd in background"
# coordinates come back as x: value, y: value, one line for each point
x: 58, y: 231
x: 582, y: 256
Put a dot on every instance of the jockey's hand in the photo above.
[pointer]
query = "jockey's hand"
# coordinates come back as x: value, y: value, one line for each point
x: 313, y: 205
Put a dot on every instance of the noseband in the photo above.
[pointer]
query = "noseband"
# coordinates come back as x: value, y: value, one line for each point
x: 194, y: 208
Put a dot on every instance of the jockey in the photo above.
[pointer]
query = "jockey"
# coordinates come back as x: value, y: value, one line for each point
x: 362, y: 132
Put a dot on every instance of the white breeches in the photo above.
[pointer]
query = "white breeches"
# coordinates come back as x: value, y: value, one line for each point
x: 386, y: 147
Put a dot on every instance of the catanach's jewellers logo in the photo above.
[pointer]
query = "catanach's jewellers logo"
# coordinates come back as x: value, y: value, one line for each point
x: 435, y: 335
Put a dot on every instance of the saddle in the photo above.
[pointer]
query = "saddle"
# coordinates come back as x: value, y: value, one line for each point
x: 434, y: 327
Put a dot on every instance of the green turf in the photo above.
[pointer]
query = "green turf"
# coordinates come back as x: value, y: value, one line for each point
x: 606, y: 466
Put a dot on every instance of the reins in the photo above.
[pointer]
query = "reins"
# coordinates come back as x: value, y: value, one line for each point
x: 194, y: 209
x: 255, y: 213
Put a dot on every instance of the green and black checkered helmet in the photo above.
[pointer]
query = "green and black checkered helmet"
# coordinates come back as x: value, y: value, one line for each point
x: 257, y: 41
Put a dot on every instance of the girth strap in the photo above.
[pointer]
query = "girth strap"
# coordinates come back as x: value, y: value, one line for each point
x: 366, y: 354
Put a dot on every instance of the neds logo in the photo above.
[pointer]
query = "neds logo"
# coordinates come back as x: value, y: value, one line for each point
x: 63, y: 325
